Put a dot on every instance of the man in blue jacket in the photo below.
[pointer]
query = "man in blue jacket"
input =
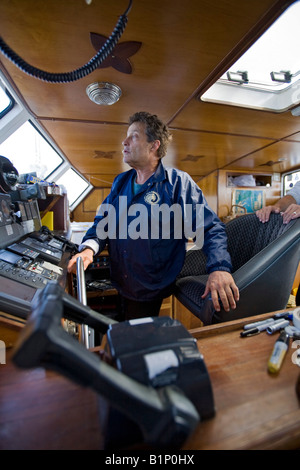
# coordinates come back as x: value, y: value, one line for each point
x: 146, y: 221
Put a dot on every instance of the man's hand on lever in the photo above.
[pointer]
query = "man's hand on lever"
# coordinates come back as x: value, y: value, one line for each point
x: 87, y: 256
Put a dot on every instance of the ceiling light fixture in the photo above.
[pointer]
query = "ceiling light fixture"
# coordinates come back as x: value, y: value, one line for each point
x: 103, y: 93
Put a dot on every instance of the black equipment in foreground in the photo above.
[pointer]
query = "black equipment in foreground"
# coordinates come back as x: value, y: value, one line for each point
x: 164, y: 397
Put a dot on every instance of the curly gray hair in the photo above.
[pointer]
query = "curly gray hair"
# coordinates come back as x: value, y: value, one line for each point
x: 155, y: 130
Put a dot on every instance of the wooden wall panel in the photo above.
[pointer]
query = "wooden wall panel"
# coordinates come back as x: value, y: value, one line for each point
x: 87, y: 209
x: 272, y: 194
x: 214, y: 187
x: 209, y: 186
x: 191, y: 45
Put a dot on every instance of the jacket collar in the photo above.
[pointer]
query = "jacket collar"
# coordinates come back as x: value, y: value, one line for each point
x: 160, y: 173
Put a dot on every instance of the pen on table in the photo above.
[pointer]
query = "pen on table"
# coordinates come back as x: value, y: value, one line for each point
x: 278, y: 353
x: 292, y: 331
x: 277, y: 325
x: 286, y: 315
x: 249, y: 326
x: 271, y: 327
x: 277, y: 316
x: 255, y: 331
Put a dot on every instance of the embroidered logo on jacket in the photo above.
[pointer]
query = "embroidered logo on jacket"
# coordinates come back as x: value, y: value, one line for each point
x: 152, y: 197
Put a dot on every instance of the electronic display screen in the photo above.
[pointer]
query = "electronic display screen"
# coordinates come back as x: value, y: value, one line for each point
x: 9, y: 257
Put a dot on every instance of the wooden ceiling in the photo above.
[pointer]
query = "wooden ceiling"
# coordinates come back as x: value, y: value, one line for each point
x: 186, y: 46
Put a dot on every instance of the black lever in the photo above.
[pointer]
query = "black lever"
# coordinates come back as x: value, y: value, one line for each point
x: 165, y: 416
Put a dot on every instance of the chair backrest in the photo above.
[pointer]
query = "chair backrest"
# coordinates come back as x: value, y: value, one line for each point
x: 264, y: 258
x: 265, y: 280
x: 247, y: 236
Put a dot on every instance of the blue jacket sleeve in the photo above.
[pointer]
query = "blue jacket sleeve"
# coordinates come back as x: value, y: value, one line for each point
x: 215, y: 238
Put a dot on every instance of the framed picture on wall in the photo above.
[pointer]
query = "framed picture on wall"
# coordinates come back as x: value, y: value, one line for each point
x: 249, y: 199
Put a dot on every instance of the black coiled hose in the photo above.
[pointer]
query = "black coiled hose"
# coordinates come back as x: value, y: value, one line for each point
x: 74, y: 75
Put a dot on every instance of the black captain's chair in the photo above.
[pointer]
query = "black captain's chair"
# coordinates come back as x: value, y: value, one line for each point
x: 265, y: 257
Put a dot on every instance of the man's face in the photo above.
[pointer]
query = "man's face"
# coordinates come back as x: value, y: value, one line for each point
x: 136, y: 149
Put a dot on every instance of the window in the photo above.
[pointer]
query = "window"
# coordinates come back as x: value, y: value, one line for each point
x: 30, y: 149
x: 74, y: 184
x: 267, y: 75
x: 29, y: 152
x: 289, y: 181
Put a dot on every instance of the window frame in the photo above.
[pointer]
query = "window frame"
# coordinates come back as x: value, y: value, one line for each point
x: 284, y: 189
x: 251, y: 95
x: 19, y: 115
x: 10, y: 105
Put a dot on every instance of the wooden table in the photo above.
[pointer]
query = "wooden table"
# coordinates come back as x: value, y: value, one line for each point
x: 254, y: 410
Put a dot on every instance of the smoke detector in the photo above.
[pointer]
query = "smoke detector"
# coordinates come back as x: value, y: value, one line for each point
x: 103, y: 93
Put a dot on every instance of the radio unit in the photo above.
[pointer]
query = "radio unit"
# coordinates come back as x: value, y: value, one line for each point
x: 45, y: 251
x: 29, y: 271
x: 13, y: 266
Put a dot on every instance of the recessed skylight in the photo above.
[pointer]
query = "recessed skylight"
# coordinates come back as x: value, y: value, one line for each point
x: 267, y: 75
